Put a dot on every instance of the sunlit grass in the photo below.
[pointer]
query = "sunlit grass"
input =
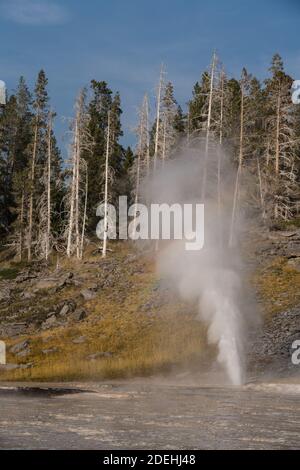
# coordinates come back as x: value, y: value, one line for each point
x: 278, y: 285
x: 140, y: 342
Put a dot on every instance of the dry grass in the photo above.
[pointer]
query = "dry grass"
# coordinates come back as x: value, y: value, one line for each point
x: 278, y: 285
x: 140, y: 342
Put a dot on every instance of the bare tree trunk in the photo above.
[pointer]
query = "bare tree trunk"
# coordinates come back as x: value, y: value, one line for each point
x: 268, y: 153
x: 84, y: 211
x: 208, y: 126
x: 238, y: 173
x: 277, y: 148
x: 32, y: 177
x: 220, y: 150
x: 188, y: 134
x: 164, y: 140
x: 158, y: 104
x: 48, y: 235
x: 137, y: 188
x: 73, y: 190
x: 77, y: 176
x: 261, y: 195
x: 21, y: 227
x: 106, y: 189
x: 146, y: 107
x: 220, y: 142
x: 277, y: 135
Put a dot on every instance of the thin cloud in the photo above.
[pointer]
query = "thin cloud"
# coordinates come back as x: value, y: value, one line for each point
x: 34, y: 12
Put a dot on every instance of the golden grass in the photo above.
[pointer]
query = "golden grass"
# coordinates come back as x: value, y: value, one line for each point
x: 138, y: 347
x: 278, y: 285
x: 141, y: 342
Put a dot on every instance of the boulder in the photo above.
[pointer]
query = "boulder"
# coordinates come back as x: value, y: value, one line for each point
x: 79, y: 340
x: 25, y: 276
x: 17, y: 348
x: 65, y: 309
x: 7, y: 367
x: 50, y: 351
x: 51, y: 322
x: 294, y: 263
x: 26, y: 366
x: 79, y: 314
x: 87, y: 294
x: 4, y: 294
x: 24, y: 353
x: 99, y: 355
x: 93, y: 286
x: 27, y: 295
x: 54, y: 282
x: 9, y: 330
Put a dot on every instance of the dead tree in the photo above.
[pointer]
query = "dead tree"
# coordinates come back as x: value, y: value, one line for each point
x: 243, y: 90
x: 208, y: 125
x: 141, y: 165
x: 77, y: 199
x: 32, y: 183
x: 107, y: 155
x: 49, y: 156
x: 158, y: 115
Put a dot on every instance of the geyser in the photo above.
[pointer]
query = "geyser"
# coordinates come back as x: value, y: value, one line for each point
x: 212, y: 276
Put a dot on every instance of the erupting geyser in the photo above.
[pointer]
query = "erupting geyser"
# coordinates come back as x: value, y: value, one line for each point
x: 212, y: 276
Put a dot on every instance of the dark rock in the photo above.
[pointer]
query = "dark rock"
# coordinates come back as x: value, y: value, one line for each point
x: 4, y: 294
x: 25, y: 276
x: 274, y: 343
x: 79, y: 314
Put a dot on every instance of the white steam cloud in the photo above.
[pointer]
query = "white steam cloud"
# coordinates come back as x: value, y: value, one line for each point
x: 211, y: 277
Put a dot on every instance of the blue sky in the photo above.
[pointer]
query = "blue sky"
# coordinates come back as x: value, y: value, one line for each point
x: 124, y: 42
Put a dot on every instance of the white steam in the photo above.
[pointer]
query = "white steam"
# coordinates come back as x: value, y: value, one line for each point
x: 211, y: 277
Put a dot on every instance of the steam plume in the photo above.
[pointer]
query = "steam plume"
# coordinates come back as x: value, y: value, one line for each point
x: 211, y: 277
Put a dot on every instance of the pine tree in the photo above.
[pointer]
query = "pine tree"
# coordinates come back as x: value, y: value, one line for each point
x: 101, y: 103
x: 196, y: 115
x: 15, y: 136
x: 169, y: 115
x: 20, y: 170
x: 8, y: 132
x: 38, y: 153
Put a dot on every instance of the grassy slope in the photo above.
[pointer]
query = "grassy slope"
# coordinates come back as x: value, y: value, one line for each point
x: 141, y: 342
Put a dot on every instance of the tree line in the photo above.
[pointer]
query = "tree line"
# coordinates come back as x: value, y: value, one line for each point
x: 48, y: 204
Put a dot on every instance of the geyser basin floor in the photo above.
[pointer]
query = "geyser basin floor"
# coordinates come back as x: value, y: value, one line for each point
x: 149, y: 415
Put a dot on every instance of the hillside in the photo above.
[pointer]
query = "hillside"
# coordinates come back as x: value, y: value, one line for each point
x: 99, y: 318
x: 113, y: 317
